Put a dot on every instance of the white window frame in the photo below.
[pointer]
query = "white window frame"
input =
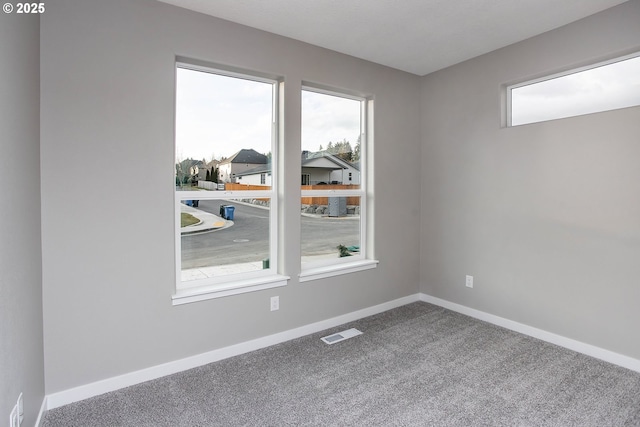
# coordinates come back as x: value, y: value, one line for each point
x: 216, y: 287
x: 363, y: 260
x: 509, y: 88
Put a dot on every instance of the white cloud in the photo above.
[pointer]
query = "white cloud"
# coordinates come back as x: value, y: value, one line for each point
x: 328, y: 118
x: 219, y: 115
x: 608, y: 87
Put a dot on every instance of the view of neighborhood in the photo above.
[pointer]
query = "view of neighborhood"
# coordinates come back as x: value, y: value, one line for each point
x: 242, y: 244
x: 337, y: 164
x: 224, y: 233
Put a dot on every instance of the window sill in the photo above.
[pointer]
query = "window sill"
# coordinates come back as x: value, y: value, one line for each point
x: 336, y: 270
x: 202, y: 293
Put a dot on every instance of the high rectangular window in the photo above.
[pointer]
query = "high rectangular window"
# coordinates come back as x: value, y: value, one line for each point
x: 600, y: 87
x: 226, y: 155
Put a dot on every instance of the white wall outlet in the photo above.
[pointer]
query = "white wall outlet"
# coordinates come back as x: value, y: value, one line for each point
x: 275, y: 303
x: 469, y: 281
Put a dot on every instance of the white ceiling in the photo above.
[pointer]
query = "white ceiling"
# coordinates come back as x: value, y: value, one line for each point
x: 418, y: 36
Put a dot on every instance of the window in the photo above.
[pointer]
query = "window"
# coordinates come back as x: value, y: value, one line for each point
x: 600, y: 87
x: 226, y: 155
x: 334, y: 202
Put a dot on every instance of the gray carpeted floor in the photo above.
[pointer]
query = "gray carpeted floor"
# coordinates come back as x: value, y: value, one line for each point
x: 417, y: 365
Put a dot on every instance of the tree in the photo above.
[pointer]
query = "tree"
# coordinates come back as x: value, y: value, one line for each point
x: 342, y: 150
x: 186, y: 171
x: 356, y: 152
x: 182, y: 170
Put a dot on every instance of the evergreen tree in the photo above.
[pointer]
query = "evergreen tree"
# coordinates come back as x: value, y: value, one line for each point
x: 356, y: 151
x: 343, y: 150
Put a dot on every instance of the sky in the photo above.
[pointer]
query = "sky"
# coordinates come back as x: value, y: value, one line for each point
x: 217, y: 116
x: 608, y: 87
x: 327, y: 118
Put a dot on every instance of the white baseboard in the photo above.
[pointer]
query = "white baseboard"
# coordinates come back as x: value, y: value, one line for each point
x: 43, y: 409
x: 65, y: 397
x: 580, y: 347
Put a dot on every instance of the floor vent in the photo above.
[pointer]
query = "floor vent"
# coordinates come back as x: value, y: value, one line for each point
x: 341, y: 336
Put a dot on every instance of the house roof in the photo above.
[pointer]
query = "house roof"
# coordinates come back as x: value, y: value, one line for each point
x: 258, y: 169
x: 340, y: 163
x: 186, y: 164
x: 247, y: 155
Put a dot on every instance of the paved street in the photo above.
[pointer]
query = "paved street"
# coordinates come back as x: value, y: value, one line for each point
x: 248, y: 239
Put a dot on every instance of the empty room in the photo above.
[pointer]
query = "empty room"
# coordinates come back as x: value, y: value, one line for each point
x: 286, y: 212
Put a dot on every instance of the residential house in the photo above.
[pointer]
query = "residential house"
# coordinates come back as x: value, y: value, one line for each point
x: 240, y: 163
x: 210, y: 167
x: 190, y: 169
x: 260, y: 175
x: 325, y: 168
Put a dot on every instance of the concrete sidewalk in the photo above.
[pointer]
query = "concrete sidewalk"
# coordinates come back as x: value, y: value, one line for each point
x: 207, y: 221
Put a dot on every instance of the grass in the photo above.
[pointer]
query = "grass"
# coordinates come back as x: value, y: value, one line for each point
x: 187, y: 219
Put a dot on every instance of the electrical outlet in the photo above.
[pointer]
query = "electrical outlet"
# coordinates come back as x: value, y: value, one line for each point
x: 469, y: 282
x: 275, y: 303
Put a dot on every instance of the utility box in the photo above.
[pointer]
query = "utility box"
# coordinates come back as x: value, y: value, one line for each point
x: 337, y: 206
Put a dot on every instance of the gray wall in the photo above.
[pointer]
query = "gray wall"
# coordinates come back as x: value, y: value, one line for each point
x: 21, y: 353
x: 108, y: 251
x: 546, y: 217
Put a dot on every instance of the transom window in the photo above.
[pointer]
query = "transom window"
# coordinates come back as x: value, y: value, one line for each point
x: 601, y: 87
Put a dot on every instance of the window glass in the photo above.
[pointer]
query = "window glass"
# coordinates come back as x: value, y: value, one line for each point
x: 331, y: 140
x: 223, y: 174
x: 606, y: 87
x: 332, y: 160
x: 330, y: 229
x: 223, y: 128
x: 221, y: 237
